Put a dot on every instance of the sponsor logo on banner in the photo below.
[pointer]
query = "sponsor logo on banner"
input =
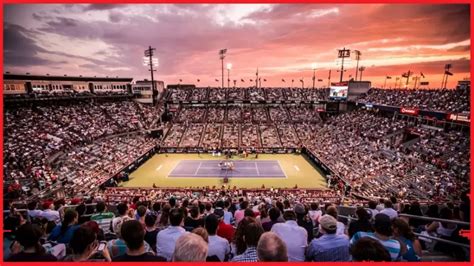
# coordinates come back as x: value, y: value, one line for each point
x: 459, y: 117
x: 409, y: 111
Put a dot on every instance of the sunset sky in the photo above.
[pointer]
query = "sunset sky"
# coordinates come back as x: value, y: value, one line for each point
x: 283, y: 41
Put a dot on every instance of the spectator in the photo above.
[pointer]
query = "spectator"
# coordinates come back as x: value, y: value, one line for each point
x: 118, y: 247
x: 372, y: 209
x: 239, y: 214
x: 84, y: 246
x: 228, y: 217
x: 190, y: 248
x: 202, y: 232
x: 193, y: 220
x: 141, y: 212
x: 369, y: 249
x: 166, y: 239
x: 274, y: 214
x: 122, y: 209
x: 330, y: 246
x: 133, y: 234
x: 251, y: 234
x: 33, y: 212
x: 224, y: 230
x: 294, y: 236
x: 102, y: 217
x: 362, y: 224
x: 388, y: 210
x: 28, y: 236
x: 403, y: 233
x: 341, y: 228
x: 150, y: 230
x: 63, y: 233
x: 218, y: 246
x: 49, y: 213
x: 303, y: 220
x: 383, y: 233
x: 271, y: 248
x: 314, y: 212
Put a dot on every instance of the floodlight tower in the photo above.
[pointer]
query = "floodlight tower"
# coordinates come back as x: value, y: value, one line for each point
x: 222, y: 53
x: 343, y: 54
x: 229, y: 67
x: 148, y: 60
x: 357, y: 54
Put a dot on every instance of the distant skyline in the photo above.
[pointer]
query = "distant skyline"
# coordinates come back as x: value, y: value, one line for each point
x: 282, y: 40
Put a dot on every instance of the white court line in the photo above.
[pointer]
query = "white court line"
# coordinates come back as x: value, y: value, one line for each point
x: 256, y: 167
x: 159, y: 167
x: 199, y: 166
x: 297, y: 168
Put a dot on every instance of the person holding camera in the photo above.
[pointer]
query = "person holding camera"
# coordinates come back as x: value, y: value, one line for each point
x: 86, y: 247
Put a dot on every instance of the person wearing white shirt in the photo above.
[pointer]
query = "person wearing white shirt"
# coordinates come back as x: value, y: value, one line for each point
x: 166, y: 239
x: 32, y: 211
x: 49, y: 213
x: 315, y: 212
x: 294, y: 236
x: 389, y: 211
x: 218, y: 246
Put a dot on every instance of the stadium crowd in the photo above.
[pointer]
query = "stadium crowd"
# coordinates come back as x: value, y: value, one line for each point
x: 34, y: 135
x: 446, y: 100
x: 220, y: 225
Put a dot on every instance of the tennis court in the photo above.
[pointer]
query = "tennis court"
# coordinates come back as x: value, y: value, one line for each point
x: 242, y: 169
x: 198, y: 170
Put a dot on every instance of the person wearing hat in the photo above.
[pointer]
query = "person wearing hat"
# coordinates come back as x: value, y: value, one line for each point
x: 294, y: 236
x: 218, y: 246
x: 330, y: 246
x: 383, y: 233
x: 303, y: 220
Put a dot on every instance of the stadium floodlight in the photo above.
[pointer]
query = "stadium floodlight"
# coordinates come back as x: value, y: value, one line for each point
x: 229, y: 67
x: 222, y: 54
x: 357, y: 57
x: 151, y: 62
x: 313, y: 66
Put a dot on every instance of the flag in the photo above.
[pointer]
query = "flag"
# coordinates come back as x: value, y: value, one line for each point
x: 448, y: 73
x: 242, y: 80
x: 301, y: 80
x: 319, y: 80
x: 228, y: 80
x: 283, y: 80
x: 292, y: 80
x: 198, y: 80
x: 389, y: 77
x: 265, y: 80
x: 251, y: 80
x: 404, y: 75
x: 180, y: 80
x: 217, y: 80
x: 421, y: 74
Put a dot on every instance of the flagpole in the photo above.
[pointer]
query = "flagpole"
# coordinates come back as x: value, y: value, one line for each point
x: 385, y: 82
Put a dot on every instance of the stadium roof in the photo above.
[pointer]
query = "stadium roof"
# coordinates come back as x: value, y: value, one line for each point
x: 8, y: 76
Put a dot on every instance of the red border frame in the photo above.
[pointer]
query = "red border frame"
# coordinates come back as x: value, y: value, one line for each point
x: 239, y: 1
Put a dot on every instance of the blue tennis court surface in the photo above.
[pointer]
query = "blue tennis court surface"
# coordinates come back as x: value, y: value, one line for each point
x: 211, y: 168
